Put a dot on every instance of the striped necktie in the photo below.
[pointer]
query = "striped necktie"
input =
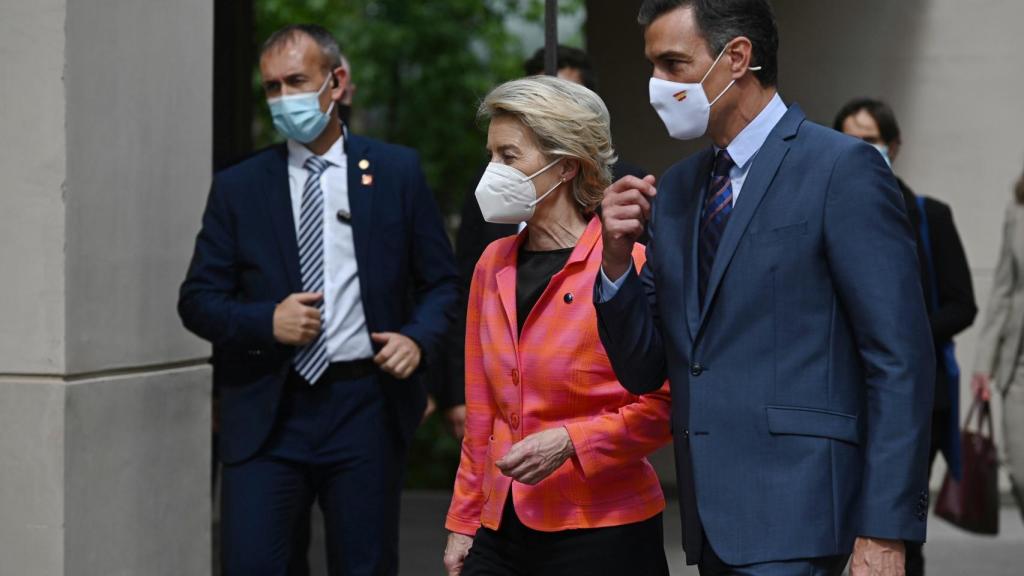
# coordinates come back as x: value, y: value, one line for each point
x: 311, y: 360
x: 714, y: 217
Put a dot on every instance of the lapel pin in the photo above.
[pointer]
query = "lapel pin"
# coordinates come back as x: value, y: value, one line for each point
x: 367, y: 179
x: 364, y: 164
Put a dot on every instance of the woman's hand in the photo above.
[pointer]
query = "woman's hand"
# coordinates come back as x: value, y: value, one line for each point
x: 455, y: 552
x: 980, y: 385
x: 535, y: 457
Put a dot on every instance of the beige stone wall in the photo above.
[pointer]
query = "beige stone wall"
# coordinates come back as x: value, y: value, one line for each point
x: 105, y: 153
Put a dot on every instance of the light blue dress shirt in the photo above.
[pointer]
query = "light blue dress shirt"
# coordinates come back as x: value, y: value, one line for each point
x: 742, y: 150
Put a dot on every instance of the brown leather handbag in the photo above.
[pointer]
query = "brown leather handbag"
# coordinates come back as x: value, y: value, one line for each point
x: 972, y: 502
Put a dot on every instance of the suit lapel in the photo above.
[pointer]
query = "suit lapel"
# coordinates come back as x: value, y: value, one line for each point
x: 506, y: 279
x: 762, y: 172
x: 361, y: 183
x: 282, y: 216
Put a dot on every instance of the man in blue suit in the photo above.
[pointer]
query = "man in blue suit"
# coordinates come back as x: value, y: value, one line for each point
x: 781, y: 299
x: 323, y: 277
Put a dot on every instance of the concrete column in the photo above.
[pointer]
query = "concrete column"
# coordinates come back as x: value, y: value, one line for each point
x: 104, y: 398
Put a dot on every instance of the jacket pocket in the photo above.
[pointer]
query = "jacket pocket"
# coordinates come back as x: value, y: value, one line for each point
x: 792, y: 420
x: 774, y: 235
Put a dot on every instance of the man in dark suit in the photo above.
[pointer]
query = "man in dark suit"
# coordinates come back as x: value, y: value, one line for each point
x: 301, y: 280
x: 945, y: 276
x: 781, y: 298
x: 475, y: 235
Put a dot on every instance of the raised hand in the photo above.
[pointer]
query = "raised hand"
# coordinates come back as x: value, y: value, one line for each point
x: 297, y: 319
x: 625, y: 210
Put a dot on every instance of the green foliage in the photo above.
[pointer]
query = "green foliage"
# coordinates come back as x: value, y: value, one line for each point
x: 420, y: 67
x: 433, y: 456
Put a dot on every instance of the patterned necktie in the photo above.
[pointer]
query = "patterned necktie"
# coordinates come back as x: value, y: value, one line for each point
x: 714, y: 217
x: 311, y: 360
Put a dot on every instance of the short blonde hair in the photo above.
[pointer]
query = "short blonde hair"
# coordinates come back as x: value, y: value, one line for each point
x: 568, y: 120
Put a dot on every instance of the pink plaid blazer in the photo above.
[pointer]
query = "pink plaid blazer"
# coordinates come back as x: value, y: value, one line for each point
x: 556, y: 374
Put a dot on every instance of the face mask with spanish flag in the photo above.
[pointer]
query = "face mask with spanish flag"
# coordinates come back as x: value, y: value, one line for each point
x: 684, y: 108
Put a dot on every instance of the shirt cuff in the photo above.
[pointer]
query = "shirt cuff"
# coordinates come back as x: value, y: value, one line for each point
x: 609, y: 289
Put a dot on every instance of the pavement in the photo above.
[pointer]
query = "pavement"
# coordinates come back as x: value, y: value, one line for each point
x: 949, y: 552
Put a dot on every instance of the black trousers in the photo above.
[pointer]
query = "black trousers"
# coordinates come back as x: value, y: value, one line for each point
x: 335, y: 445
x: 516, y: 550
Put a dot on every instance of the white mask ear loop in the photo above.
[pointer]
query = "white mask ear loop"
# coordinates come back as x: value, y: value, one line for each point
x: 546, y: 194
x: 542, y: 170
x: 708, y: 73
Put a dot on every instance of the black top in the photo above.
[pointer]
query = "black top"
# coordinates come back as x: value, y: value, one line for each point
x: 533, y: 274
x: 956, y: 307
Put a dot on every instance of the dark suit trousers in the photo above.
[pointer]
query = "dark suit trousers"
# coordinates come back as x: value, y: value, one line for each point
x: 336, y: 444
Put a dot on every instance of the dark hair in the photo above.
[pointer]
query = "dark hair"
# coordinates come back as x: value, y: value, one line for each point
x: 324, y: 39
x: 880, y: 111
x: 721, y: 21
x: 568, y: 57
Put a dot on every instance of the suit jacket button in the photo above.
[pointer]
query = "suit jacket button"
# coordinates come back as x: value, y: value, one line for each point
x: 568, y: 298
x: 686, y: 433
x: 514, y: 420
x: 696, y: 369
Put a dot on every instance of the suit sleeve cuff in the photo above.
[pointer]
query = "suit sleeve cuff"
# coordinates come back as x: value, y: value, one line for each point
x: 257, y: 319
x: 459, y: 526
x: 610, y: 288
x: 584, y: 457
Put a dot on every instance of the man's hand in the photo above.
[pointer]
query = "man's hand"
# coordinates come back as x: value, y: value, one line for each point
x: 535, y: 457
x: 399, y: 355
x: 456, y: 419
x: 297, y: 319
x: 624, y: 213
x: 455, y: 552
x: 981, y: 385
x: 874, y: 557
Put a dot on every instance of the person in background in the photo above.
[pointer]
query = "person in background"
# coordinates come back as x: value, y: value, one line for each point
x: 780, y: 258
x: 345, y: 102
x: 300, y: 280
x: 554, y: 479
x: 475, y: 234
x: 945, y: 277
x: 573, y: 65
x: 999, y: 359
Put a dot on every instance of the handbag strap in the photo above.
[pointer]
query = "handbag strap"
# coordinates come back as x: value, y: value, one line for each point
x: 983, y: 422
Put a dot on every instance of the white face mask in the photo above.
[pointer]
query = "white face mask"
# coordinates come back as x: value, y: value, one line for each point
x: 507, y: 196
x: 684, y: 108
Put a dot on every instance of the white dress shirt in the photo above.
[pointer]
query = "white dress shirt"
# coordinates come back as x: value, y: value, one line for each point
x: 743, y: 148
x: 347, y: 335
